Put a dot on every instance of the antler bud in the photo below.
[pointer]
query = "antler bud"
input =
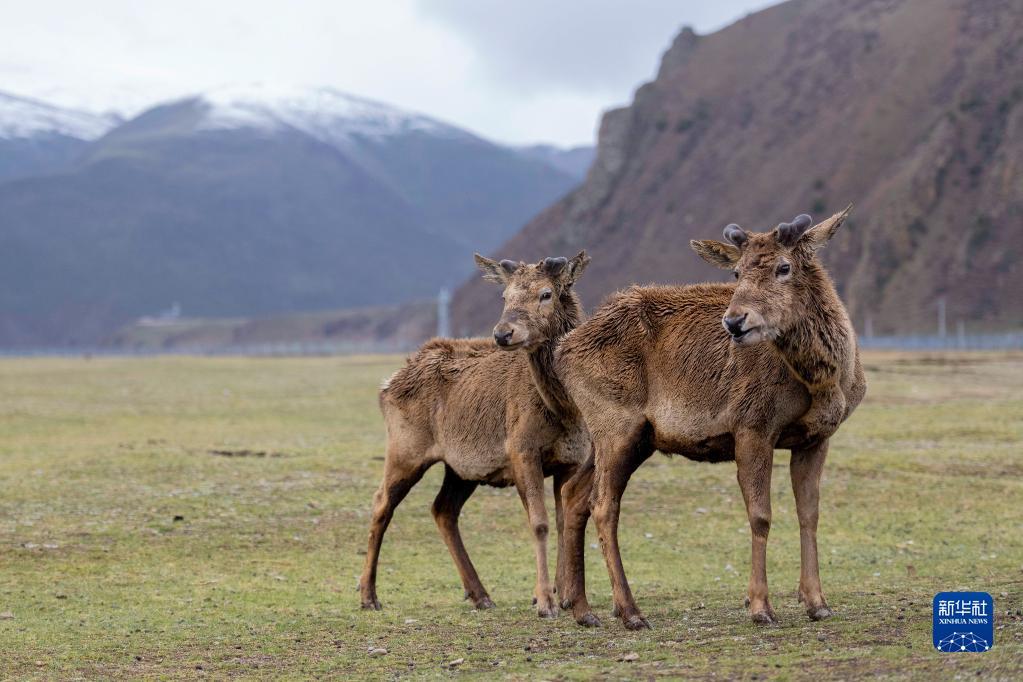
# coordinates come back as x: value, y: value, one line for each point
x: 789, y: 233
x: 802, y: 221
x: 736, y: 235
x: 554, y: 266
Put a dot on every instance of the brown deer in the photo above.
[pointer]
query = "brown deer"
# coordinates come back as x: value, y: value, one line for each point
x: 492, y: 417
x: 654, y: 370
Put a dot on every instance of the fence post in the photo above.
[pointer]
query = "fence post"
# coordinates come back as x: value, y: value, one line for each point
x: 443, y: 313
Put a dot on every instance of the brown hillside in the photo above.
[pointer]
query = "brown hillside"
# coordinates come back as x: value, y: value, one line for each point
x: 911, y: 109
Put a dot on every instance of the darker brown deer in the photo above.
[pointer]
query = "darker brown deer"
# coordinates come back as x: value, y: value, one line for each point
x: 492, y: 417
x: 719, y: 372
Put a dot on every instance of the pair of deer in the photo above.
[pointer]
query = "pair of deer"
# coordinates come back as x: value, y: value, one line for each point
x: 588, y: 402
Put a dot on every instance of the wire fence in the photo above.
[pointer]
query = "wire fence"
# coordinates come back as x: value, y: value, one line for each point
x: 948, y: 342
x: 296, y: 349
x: 909, y: 342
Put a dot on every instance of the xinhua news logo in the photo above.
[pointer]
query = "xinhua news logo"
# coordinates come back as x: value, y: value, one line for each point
x: 963, y: 622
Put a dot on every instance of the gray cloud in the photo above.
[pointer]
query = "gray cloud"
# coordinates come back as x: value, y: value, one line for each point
x: 516, y: 71
x: 577, y: 45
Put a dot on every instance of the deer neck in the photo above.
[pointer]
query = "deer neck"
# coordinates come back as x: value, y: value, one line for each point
x: 542, y: 366
x: 817, y: 349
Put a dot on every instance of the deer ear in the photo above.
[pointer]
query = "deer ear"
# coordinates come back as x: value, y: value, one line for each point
x: 492, y: 270
x: 819, y: 235
x: 722, y: 255
x: 576, y: 267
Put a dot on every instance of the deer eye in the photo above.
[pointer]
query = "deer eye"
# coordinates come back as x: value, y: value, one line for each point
x: 736, y: 273
x: 546, y: 294
x: 783, y: 269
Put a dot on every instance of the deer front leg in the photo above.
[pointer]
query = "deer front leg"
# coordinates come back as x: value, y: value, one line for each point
x: 572, y: 592
x: 806, y: 467
x: 617, y: 457
x: 754, y: 457
x: 529, y: 482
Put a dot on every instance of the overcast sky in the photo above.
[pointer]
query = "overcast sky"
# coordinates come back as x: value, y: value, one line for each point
x: 518, y: 71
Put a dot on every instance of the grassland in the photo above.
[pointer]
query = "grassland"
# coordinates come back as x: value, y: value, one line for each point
x: 130, y: 548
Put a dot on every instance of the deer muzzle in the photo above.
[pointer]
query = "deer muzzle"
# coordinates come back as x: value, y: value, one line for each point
x: 744, y: 326
x: 510, y: 336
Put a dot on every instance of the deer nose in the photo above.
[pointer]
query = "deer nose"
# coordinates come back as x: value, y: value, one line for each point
x: 503, y: 337
x: 733, y: 323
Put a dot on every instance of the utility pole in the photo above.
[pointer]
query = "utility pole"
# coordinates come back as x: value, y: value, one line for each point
x: 443, y: 313
x: 942, y: 329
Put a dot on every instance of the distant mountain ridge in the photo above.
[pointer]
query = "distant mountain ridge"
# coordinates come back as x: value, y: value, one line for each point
x: 242, y: 202
x: 910, y: 109
x: 575, y: 161
x: 23, y: 117
x: 329, y: 115
x: 38, y: 138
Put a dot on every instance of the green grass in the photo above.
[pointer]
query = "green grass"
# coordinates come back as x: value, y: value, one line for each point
x: 256, y: 578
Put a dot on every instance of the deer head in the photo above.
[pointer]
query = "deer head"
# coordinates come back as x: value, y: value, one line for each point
x: 777, y: 273
x: 539, y: 304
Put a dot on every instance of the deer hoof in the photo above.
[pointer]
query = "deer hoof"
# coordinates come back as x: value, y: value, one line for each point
x: 484, y: 604
x: 820, y: 613
x: 745, y: 602
x: 636, y: 622
x: 588, y: 620
x: 765, y: 617
x: 371, y: 604
x: 546, y: 608
x: 615, y: 611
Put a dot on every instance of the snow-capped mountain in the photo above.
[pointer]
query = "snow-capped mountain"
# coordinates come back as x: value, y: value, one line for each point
x: 22, y: 118
x: 38, y: 138
x: 245, y: 201
x: 326, y: 114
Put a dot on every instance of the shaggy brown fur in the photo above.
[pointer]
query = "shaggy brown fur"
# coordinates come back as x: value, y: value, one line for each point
x: 492, y: 417
x: 654, y: 370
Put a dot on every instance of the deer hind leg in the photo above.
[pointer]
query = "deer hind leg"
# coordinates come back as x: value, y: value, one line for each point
x: 806, y: 467
x: 754, y: 456
x: 617, y: 458
x: 400, y: 474
x: 529, y: 482
x: 576, y: 492
x: 446, y: 508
